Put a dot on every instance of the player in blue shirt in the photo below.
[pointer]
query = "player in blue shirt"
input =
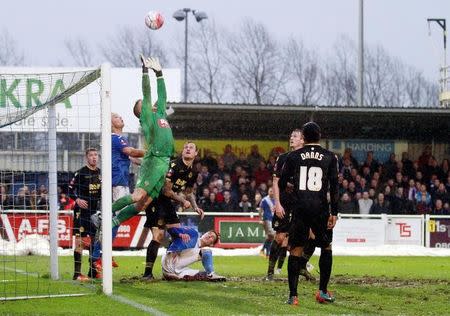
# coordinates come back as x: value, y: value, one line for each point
x: 121, y: 156
x: 267, y: 210
x: 186, y: 248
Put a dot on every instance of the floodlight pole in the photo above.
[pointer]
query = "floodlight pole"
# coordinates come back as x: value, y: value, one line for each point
x: 361, y: 54
x: 186, y: 10
x: 444, y: 97
x: 181, y: 15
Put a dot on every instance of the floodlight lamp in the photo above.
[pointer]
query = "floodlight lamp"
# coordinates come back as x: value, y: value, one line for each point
x: 179, y: 15
x: 199, y: 15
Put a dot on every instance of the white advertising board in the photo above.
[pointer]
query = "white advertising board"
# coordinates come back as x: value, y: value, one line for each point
x: 358, y: 232
x: 404, y: 231
x: 81, y: 112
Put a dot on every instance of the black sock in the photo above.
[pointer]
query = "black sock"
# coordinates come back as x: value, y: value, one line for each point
x: 309, y: 249
x: 325, y: 263
x: 92, y: 272
x: 293, y: 272
x: 274, y: 250
x: 77, y: 263
x: 302, y: 262
x: 152, y: 254
x: 281, y: 257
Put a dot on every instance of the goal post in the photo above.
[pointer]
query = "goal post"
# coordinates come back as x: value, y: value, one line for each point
x: 106, y: 179
x: 48, y: 117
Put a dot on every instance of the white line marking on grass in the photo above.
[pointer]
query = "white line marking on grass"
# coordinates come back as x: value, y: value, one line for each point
x: 137, y: 305
x: 18, y: 271
x: 15, y: 298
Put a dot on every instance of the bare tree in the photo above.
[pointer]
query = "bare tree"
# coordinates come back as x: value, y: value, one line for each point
x: 339, y: 78
x: 419, y: 91
x: 9, y: 53
x: 80, y: 51
x: 304, y: 73
x: 206, y: 64
x: 123, y: 49
x: 255, y: 64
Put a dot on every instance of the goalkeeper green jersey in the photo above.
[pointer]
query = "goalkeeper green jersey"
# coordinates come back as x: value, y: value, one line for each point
x: 156, y: 128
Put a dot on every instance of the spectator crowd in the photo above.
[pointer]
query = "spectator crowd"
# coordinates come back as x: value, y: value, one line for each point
x: 238, y: 183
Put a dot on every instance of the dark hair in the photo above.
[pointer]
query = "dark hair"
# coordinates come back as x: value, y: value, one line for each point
x: 217, y: 236
x: 89, y: 150
x: 311, y: 132
x: 135, y: 111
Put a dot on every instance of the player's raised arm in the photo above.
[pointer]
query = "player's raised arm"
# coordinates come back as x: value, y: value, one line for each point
x: 146, y: 81
x: 161, y: 86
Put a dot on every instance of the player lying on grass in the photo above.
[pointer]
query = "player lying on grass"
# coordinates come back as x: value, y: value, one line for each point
x: 162, y: 212
x: 188, y: 247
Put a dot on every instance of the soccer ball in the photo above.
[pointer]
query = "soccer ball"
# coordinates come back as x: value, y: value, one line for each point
x: 154, y: 20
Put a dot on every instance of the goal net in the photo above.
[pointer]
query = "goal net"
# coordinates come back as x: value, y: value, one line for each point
x: 48, y: 120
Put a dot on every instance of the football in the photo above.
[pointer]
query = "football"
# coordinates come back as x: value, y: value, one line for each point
x: 154, y: 20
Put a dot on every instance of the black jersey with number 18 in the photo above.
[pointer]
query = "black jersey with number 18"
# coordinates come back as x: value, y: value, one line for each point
x: 313, y: 170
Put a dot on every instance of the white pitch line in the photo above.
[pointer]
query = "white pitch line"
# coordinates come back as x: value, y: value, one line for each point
x: 22, y: 271
x: 137, y: 305
x: 41, y: 296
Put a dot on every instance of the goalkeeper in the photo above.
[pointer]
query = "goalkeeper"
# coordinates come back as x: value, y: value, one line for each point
x: 160, y: 147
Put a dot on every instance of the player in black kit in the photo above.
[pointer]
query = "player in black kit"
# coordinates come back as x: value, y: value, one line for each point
x: 313, y: 172
x: 162, y: 212
x: 85, y: 189
x: 282, y: 217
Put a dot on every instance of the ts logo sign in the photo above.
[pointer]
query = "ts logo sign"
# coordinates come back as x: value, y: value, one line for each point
x: 405, y: 229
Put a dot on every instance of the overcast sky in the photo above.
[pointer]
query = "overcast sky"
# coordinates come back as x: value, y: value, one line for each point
x: 40, y: 27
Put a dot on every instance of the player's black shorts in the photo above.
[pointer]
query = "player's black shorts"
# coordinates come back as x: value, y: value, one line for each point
x: 307, y: 218
x: 161, y: 212
x: 82, y: 224
x: 281, y: 225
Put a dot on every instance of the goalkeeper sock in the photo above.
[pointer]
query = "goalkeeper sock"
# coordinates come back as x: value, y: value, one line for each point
x: 126, y: 213
x: 293, y: 273
x: 281, y: 256
x: 207, y: 260
x: 77, y: 263
x: 152, y: 254
x: 121, y: 203
x: 325, y: 264
x: 274, y: 250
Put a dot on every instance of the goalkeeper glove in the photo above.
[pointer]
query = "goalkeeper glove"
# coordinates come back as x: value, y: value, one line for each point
x: 156, y: 66
x: 145, y: 64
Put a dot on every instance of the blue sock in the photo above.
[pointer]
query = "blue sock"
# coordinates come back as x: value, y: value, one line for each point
x: 97, y: 249
x: 207, y: 260
x: 114, y: 232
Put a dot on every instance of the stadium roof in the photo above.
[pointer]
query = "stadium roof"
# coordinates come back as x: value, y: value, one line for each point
x: 274, y: 122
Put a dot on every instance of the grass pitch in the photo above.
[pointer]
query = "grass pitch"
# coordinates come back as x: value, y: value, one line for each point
x: 362, y: 286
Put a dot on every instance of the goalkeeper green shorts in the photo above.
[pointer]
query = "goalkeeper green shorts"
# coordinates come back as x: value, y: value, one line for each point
x: 152, y: 174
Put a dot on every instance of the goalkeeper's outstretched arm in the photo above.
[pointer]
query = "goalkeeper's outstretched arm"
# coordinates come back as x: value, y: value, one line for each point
x: 161, y: 86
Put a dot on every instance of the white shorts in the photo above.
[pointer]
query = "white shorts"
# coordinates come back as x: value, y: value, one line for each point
x: 268, y: 229
x: 119, y: 191
x: 175, y: 265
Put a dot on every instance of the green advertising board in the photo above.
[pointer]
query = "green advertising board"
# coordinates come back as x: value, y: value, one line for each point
x: 238, y: 232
